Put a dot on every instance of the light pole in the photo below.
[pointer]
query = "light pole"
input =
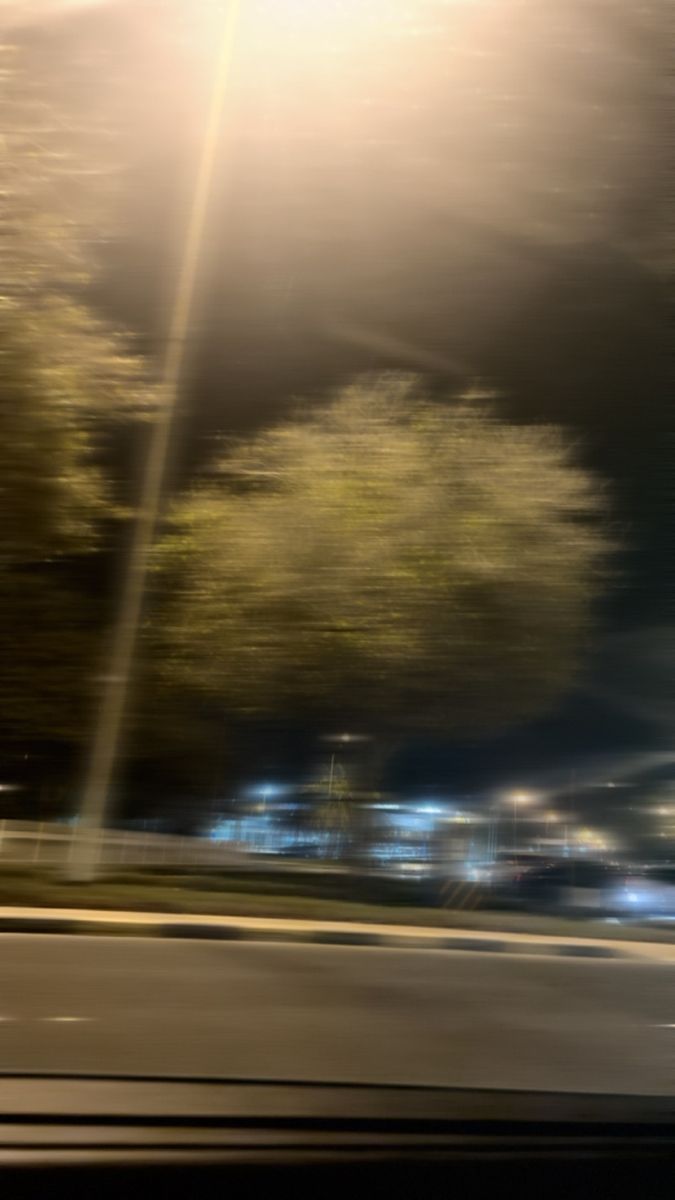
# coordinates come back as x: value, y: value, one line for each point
x: 85, y: 848
x: 550, y: 818
x: 518, y: 798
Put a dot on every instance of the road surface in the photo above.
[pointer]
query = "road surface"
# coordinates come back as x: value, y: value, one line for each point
x: 335, y: 1013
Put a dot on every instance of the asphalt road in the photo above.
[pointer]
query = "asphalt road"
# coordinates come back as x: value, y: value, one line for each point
x: 335, y: 1013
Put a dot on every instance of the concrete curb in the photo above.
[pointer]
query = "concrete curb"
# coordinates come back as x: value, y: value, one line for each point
x: 320, y: 933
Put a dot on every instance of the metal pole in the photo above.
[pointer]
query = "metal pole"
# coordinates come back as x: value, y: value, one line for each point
x: 85, y: 850
x: 38, y: 842
x: 572, y: 807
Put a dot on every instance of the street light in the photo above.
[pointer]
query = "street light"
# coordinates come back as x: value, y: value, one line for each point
x: 337, y: 742
x: 85, y: 848
x: 517, y: 799
x: 550, y: 818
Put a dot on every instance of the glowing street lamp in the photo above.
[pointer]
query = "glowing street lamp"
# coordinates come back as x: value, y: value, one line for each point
x: 551, y: 818
x: 517, y: 799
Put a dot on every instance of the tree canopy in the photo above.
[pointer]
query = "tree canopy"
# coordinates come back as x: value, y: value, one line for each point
x: 387, y: 561
x: 66, y: 379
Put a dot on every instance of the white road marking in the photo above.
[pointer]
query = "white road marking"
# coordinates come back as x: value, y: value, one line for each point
x: 60, y: 1020
x: 64, y: 1019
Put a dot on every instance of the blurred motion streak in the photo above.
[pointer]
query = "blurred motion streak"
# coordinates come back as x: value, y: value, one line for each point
x: 107, y: 734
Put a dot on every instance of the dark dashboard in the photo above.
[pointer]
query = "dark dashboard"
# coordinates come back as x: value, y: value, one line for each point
x: 104, y: 1137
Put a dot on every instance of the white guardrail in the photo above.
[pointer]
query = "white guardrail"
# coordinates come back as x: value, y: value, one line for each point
x: 47, y: 843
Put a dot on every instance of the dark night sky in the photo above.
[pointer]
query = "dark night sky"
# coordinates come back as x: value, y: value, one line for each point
x: 474, y: 190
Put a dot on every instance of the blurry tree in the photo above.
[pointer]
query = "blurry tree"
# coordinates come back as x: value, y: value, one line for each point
x: 66, y: 380
x: 59, y: 168
x: 386, y: 562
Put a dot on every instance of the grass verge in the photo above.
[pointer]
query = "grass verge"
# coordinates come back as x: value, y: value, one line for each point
x: 268, y: 896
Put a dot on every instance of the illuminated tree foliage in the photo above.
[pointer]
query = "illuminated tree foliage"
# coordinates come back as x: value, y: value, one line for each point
x: 65, y: 381
x: 59, y: 168
x: 386, y: 560
x: 64, y: 377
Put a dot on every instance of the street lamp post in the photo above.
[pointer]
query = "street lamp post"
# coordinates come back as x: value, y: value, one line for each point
x: 517, y: 799
x: 85, y: 849
x: 551, y: 818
